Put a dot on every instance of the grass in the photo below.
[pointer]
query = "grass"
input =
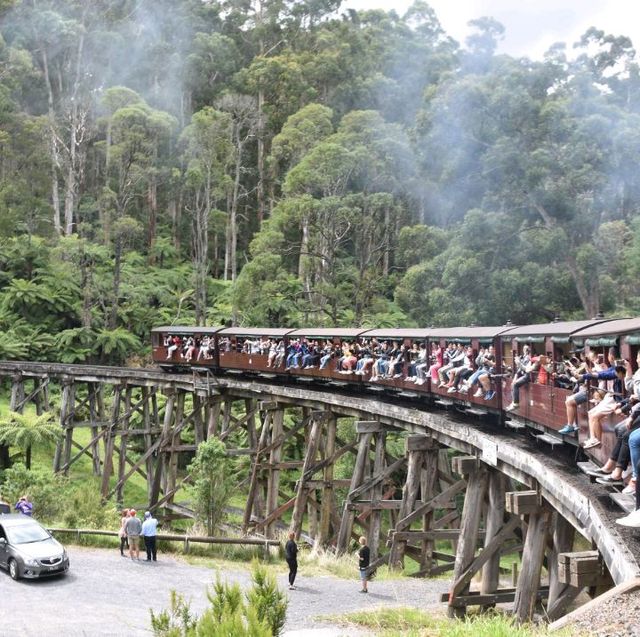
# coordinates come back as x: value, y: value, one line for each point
x: 411, y: 622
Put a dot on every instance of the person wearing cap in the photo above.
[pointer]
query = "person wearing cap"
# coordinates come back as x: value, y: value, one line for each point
x: 133, y: 528
x: 149, y: 532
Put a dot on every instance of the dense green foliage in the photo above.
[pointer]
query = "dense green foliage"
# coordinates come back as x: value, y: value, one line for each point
x: 282, y: 162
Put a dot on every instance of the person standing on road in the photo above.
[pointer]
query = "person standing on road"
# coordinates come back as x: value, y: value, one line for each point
x: 365, y: 555
x: 24, y: 506
x: 149, y: 532
x: 291, y: 555
x: 133, y: 528
x: 122, y: 534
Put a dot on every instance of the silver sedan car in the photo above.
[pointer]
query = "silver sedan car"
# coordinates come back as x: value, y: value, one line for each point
x: 28, y: 550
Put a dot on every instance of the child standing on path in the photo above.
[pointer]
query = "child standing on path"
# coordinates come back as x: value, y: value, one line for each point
x: 364, y: 554
x: 291, y: 555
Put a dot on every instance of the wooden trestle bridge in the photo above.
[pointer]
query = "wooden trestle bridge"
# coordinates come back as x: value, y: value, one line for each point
x: 454, y: 483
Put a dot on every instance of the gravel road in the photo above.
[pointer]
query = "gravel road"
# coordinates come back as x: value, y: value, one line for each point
x: 107, y: 595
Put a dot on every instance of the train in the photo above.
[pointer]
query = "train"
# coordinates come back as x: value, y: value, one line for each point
x: 541, y: 409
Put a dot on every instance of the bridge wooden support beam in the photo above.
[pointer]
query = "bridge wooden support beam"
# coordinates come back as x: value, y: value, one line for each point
x: 477, y: 477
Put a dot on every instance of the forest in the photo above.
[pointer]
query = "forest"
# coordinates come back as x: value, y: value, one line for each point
x: 280, y: 162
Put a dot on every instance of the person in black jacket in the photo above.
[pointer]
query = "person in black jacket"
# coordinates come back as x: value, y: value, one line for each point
x: 291, y: 555
x: 365, y: 555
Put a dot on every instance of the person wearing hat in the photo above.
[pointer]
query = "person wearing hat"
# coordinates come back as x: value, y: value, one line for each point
x: 133, y: 528
x: 149, y: 532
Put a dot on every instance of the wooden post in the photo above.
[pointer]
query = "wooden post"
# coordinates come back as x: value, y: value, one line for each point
x: 428, y: 482
x: 273, y: 481
x: 376, y: 495
x: 110, y: 440
x: 493, y: 523
x: 124, y: 435
x: 160, y: 461
x: 409, y: 495
x: 149, y: 420
x: 470, y: 523
x: 198, y: 424
x: 214, y: 406
x: 68, y: 405
x: 254, y: 481
x: 324, y: 534
x: 171, y: 459
x: 301, y: 492
x: 532, y: 558
x: 16, y: 403
x: 93, y: 389
x: 563, y: 536
x: 346, y: 523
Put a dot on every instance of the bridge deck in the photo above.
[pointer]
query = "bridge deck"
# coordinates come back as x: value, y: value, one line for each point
x: 582, y: 504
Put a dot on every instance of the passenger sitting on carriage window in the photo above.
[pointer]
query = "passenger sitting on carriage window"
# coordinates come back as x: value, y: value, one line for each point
x: 264, y: 345
x: 189, y: 349
x: 396, y: 364
x: 524, y: 367
x: 419, y: 362
x: 176, y: 342
x: 544, y: 369
x: 311, y: 358
x: 203, y: 350
x: 327, y: 353
x: 365, y: 361
x: 458, y: 374
x: 456, y: 358
x: 612, y: 395
x: 435, y: 363
x: 280, y: 352
x: 472, y: 380
x: 292, y: 354
x: 381, y: 363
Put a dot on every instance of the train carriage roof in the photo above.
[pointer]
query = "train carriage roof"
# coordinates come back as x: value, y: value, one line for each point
x: 606, y: 333
x: 484, y: 334
x: 560, y: 331
x: 398, y: 333
x: 278, y: 332
x: 327, y: 332
x: 186, y: 329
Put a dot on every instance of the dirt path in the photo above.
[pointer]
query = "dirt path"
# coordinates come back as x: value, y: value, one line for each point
x: 105, y: 595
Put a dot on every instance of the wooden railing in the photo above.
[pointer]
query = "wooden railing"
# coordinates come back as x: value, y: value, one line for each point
x: 187, y: 540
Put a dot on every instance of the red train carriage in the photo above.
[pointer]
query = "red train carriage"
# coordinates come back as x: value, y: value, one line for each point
x: 542, y: 400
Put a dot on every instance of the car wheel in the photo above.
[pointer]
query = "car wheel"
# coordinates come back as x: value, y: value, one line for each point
x: 13, y: 569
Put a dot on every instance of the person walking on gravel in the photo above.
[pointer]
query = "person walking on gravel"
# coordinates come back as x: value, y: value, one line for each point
x: 133, y: 528
x: 365, y: 555
x: 291, y: 555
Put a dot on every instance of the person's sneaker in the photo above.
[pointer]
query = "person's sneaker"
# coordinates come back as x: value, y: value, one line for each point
x: 451, y: 390
x: 630, y: 488
x: 464, y: 389
x: 568, y: 429
x: 292, y: 587
x: 609, y: 480
x: 592, y: 443
x: 632, y: 520
x: 512, y: 407
x: 478, y: 393
x: 489, y: 395
x: 364, y: 591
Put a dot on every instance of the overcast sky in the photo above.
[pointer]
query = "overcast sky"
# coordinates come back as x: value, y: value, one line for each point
x: 531, y: 25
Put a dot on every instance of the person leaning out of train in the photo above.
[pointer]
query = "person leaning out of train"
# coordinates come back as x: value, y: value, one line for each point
x: 612, y: 395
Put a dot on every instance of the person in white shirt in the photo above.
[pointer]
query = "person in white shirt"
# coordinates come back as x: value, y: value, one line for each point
x: 149, y: 532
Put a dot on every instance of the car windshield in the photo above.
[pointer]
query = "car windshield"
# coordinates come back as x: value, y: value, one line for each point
x: 26, y: 534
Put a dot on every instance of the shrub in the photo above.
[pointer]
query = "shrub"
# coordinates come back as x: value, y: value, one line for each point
x: 262, y: 615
